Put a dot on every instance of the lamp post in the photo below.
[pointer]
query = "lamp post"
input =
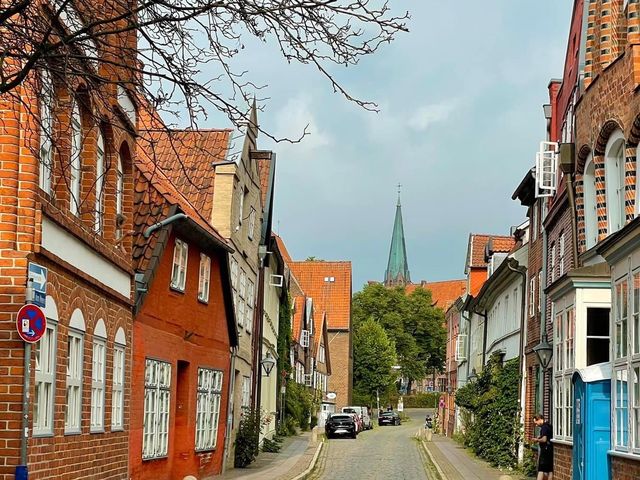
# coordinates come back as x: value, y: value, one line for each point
x: 268, y: 363
x: 473, y: 375
x: 544, y: 352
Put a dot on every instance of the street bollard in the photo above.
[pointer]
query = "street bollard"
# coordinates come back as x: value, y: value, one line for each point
x: 22, y: 473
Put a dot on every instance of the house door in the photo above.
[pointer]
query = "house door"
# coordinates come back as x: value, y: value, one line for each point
x: 578, y: 429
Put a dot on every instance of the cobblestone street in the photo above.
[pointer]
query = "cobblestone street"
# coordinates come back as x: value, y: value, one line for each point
x: 382, y: 453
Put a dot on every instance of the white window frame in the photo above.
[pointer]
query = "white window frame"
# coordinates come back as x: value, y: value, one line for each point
x: 589, y: 202
x: 100, y: 175
x: 208, y: 400
x: 75, y: 164
x: 532, y: 295
x: 204, y: 278
x: 304, y: 338
x: 98, y: 368
x: 45, y: 381
x: 534, y: 221
x: 561, y: 252
x: 614, y: 170
x: 552, y: 258
x: 245, y: 400
x: 241, y: 205
x: 119, y: 187
x: 241, y: 297
x: 47, y: 98
x: 117, y: 390
x: 321, y: 354
x: 252, y: 223
x: 250, y: 304
x: 179, y: 266
x: 75, y: 357
x: 157, y: 404
x: 563, y: 369
x: 540, y: 290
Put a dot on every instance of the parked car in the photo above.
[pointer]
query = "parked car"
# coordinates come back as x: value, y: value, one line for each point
x: 356, y: 418
x: 389, y: 418
x: 341, y: 424
x: 363, y: 413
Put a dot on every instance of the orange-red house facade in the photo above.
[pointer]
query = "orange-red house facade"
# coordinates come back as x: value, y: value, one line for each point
x: 183, y: 333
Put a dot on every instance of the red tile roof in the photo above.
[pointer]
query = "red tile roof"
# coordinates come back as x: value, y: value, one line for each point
x: 263, y: 160
x: 156, y: 196
x: 332, y: 297
x: 186, y: 157
x: 298, y: 312
x: 477, y: 246
x: 444, y: 293
x: 283, y: 249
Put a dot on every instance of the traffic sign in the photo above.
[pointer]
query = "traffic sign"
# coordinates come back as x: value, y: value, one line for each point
x: 38, y: 275
x: 31, y: 323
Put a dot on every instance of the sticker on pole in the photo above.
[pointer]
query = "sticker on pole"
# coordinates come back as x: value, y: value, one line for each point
x: 31, y: 323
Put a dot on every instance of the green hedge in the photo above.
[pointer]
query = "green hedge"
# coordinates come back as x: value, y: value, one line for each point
x: 491, y: 412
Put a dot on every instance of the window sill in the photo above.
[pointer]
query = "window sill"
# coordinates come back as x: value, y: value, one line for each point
x: 150, y: 459
x: 206, y: 450
x: 97, y: 430
x: 43, y: 435
x: 204, y: 302
x: 73, y: 432
x: 117, y: 428
x: 173, y: 288
x: 562, y: 442
x: 628, y: 455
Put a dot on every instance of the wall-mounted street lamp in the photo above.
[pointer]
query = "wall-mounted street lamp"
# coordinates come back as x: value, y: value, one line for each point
x: 544, y: 352
x: 268, y: 363
x: 473, y: 375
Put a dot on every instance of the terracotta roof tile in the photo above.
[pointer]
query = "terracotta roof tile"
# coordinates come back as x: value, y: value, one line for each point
x: 477, y: 246
x: 186, y: 157
x: 155, y: 196
x: 296, y: 324
x: 263, y: 160
x: 502, y: 244
x: 444, y: 293
x: 283, y: 249
x: 334, y: 297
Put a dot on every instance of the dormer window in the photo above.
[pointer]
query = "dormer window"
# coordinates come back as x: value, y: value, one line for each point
x: 46, y: 131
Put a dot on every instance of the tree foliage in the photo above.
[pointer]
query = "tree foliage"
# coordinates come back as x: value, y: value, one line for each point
x: 374, y: 355
x: 492, y: 412
x: 411, y: 322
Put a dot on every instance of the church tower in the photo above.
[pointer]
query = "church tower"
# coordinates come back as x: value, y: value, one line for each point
x: 397, y: 273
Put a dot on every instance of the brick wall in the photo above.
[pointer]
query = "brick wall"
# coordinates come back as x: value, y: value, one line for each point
x: 175, y: 327
x: 624, y: 468
x: 562, y: 462
x: 341, y: 379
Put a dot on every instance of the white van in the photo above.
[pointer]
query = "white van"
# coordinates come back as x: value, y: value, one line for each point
x: 363, y: 412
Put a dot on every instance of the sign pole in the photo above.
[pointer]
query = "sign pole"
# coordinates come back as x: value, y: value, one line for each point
x: 22, y: 472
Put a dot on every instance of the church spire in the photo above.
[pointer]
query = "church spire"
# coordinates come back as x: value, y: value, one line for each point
x: 398, y: 267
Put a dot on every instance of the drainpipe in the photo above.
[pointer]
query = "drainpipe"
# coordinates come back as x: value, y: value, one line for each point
x: 543, y: 318
x: 513, y: 265
x: 258, y: 333
x: 166, y: 221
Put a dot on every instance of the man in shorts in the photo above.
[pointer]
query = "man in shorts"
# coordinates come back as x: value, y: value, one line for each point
x: 545, y: 450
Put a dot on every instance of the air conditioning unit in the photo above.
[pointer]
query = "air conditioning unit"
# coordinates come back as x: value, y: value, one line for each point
x: 308, y: 380
x: 546, y: 169
x: 304, y: 338
x: 276, y: 280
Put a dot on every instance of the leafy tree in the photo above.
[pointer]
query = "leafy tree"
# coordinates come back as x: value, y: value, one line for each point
x: 375, y: 355
x: 411, y: 322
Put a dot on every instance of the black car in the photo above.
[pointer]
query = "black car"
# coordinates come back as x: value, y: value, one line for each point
x: 340, y: 424
x: 389, y: 418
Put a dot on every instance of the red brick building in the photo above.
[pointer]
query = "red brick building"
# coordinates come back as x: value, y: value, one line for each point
x: 329, y: 285
x: 65, y: 191
x: 184, y: 330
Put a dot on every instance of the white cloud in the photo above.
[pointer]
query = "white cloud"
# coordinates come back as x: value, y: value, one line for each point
x: 290, y: 122
x: 428, y: 115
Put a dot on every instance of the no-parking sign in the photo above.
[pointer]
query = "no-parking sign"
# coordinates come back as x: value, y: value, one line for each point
x: 31, y: 323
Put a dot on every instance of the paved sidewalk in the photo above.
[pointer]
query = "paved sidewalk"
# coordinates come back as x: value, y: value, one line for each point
x: 455, y: 463
x: 294, y: 458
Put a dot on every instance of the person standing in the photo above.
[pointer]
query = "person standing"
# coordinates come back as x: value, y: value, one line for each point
x: 545, y: 450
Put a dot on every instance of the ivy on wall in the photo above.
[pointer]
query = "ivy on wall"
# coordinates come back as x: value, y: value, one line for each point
x: 491, y: 412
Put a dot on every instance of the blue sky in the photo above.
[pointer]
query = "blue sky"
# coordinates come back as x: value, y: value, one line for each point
x: 461, y: 116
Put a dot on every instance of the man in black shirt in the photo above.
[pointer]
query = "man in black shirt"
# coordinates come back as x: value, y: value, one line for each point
x: 545, y: 451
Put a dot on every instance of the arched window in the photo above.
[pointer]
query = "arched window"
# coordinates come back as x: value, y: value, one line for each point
x: 100, y: 173
x: 46, y: 131
x: 119, y: 186
x: 117, y: 392
x: 589, y: 196
x: 76, y: 158
x: 614, y: 181
x: 45, y: 378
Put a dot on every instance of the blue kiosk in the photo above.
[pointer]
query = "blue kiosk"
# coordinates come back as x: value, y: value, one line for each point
x: 592, y: 422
